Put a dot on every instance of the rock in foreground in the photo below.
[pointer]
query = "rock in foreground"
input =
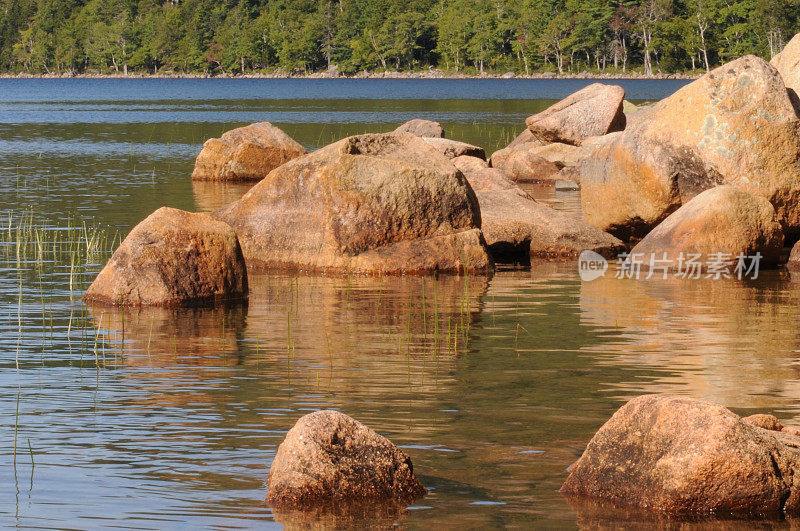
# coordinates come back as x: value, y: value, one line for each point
x: 683, y: 456
x: 374, y: 203
x: 173, y: 258
x: 423, y: 128
x: 245, y: 154
x: 723, y: 222
x: 330, y: 458
x: 592, y: 111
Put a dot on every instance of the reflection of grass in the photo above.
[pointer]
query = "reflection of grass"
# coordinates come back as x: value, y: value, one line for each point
x: 53, y: 264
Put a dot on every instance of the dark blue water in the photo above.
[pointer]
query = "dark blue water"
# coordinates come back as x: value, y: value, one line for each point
x: 106, y: 90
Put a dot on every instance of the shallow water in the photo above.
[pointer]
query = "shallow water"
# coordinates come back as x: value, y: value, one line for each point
x: 493, y: 385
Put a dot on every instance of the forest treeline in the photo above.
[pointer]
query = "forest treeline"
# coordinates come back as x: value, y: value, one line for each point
x: 466, y: 36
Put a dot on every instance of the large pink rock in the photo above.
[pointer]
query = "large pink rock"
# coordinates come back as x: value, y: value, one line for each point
x: 245, y: 154
x: 735, y: 125
x: 524, y: 164
x: 374, y: 203
x: 719, y: 225
x: 682, y: 456
x: 592, y: 111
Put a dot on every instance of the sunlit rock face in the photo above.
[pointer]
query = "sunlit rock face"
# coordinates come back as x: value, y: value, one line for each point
x: 594, y: 110
x: 725, y: 222
x: 735, y: 125
x: 684, y: 456
x: 328, y: 458
x: 423, y: 128
x: 453, y: 148
x: 374, y: 203
x: 523, y: 163
x: 245, y: 153
x: 788, y: 64
x: 173, y: 258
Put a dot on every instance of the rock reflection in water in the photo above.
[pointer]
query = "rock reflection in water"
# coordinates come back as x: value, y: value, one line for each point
x: 213, y: 195
x: 721, y: 340
x: 325, y: 330
x: 159, y: 336
x: 601, y: 514
x: 352, y: 516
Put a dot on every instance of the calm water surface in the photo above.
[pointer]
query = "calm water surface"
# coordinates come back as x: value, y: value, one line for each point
x: 493, y: 385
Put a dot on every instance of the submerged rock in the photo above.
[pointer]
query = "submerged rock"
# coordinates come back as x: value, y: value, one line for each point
x: 735, y: 125
x: 523, y: 164
x: 245, y: 154
x: 566, y: 185
x: 683, y: 456
x: 374, y: 203
x: 723, y: 222
x: 173, y: 258
x: 423, y: 128
x: 328, y: 458
x: 788, y: 64
x: 516, y: 226
x: 453, y: 148
x: 593, y: 110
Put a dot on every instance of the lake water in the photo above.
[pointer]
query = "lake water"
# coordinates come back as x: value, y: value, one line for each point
x: 493, y: 385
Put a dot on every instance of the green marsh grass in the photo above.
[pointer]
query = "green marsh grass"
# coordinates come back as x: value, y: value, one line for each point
x: 53, y: 266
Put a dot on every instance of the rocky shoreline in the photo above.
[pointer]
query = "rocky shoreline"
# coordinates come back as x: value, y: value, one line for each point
x: 712, y: 170
x: 433, y: 74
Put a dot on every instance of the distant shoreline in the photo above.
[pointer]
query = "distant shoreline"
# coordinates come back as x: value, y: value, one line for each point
x: 373, y: 75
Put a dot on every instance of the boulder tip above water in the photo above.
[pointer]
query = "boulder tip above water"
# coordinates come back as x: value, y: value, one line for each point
x: 245, y: 153
x: 373, y: 203
x: 682, y: 456
x: 423, y: 128
x: 592, y: 111
x: 722, y: 222
x: 173, y: 258
x: 329, y: 458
